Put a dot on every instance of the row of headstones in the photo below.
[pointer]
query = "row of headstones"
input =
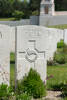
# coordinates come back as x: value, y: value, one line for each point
x: 34, y: 46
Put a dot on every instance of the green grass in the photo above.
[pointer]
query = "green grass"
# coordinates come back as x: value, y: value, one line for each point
x: 12, y: 75
x: 59, y: 26
x: 7, y: 19
x: 59, y: 76
x: 58, y: 73
x: 12, y: 57
x: 12, y: 67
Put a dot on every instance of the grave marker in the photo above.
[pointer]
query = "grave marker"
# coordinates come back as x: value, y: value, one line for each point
x: 31, y: 50
x: 4, y: 55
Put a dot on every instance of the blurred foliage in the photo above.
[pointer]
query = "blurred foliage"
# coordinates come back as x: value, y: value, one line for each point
x: 8, y: 7
x: 60, y: 5
x: 18, y: 14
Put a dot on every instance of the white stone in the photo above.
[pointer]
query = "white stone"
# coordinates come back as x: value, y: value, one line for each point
x: 4, y: 55
x: 12, y: 39
x: 31, y: 47
x: 54, y: 36
x: 8, y: 33
x: 65, y: 36
x: 47, y: 7
x: 35, y: 45
x: 33, y: 42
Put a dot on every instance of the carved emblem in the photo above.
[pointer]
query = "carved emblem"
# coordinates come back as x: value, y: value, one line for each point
x: 31, y: 55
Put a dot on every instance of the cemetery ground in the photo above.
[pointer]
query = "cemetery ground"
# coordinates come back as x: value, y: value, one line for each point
x: 57, y: 75
x: 56, y: 78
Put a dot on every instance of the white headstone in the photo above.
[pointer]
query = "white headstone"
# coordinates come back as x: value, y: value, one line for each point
x: 65, y: 36
x: 31, y: 45
x: 4, y: 55
x: 35, y: 45
x: 54, y: 36
x: 12, y: 39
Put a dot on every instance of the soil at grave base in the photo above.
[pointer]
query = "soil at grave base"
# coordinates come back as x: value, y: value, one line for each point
x: 52, y: 95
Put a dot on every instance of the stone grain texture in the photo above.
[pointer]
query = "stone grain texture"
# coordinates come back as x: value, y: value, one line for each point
x: 4, y: 55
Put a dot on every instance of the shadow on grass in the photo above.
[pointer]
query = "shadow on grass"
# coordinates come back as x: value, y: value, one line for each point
x: 12, y: 62
x: 57, y: 87
x: 60, y: 87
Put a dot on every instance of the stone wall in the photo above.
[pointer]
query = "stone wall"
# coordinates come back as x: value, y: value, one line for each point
x: 16, y: 23
x: 53, y: 20
x: 39, y: 20
x: 34, y: 20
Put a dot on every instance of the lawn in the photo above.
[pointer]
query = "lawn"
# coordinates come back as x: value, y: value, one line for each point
x: 7, y: 19
x: 59, y: 26
x: 56, y: 74
x: 12, y: 67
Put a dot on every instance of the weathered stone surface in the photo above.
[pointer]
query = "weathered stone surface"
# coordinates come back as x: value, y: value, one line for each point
x: 54, y: 36
x: 31, y: 46
x: 12, y: 39
x: 35, y: 45
x: 4, y: 55
x: 8, y: 33
x: 65, y: 36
